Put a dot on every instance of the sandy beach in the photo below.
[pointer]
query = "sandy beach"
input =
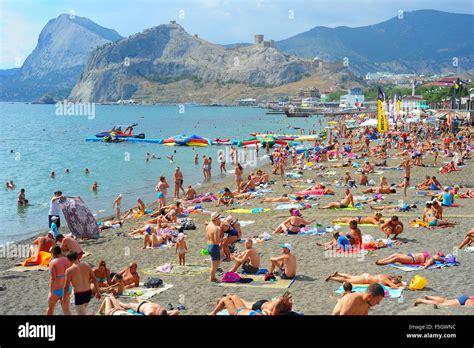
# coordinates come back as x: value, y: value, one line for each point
x: 27, y: 292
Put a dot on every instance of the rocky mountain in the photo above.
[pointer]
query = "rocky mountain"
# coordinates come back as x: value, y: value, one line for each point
x: 59, y: 58
x: 167, y: 54
x: 424, y: 41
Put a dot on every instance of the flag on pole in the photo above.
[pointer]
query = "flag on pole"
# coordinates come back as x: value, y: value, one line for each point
x: 395, y: 107
x: 382, y: 120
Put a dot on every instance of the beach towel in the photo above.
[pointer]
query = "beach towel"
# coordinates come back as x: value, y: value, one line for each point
x: 417, y: 267
x: 28, y: 268
x: 293, y: 175
x: 311, y: 231
x: 359, y: 225
x: 144, y: 293
x: 348, y: 208
x: 389, y: 292
x: 42, y: 259
x: 79, y: 218
x: 190, y: 269
x: 259, y: 282
x: 290, y: 206
x: 247, y: 211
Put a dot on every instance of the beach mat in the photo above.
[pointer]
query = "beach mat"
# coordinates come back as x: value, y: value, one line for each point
x: 289, y: 206
x: 392, y: 292
x: 259, y: 282
x: 411, y: 268
x: 188, y: 270
x: 145, y: 293
x: 247, y: 211
x: 28, y: 268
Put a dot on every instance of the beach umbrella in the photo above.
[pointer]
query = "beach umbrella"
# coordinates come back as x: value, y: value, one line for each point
x: 370, y: 122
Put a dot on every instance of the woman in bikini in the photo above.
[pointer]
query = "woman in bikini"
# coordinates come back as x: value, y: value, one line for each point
x: 229, y: 235
x: 412, y: 259
x: 239, y: 171
x: 468, y: 239
x: 238, y: 306
x: 433, y: 221
x: 293, y: 224
x: 366, y: 278
x: 102, y: 274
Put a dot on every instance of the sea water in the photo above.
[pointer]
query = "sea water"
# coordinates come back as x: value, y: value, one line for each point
x: 45, y: 140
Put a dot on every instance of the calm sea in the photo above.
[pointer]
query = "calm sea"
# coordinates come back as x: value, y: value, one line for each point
x: 43, y: 141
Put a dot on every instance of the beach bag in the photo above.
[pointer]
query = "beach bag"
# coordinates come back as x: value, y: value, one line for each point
x: 230, y: 277
x: 418, y: 283
x: 269, y: 276
x: 153, y: 283
x: 189, y: 225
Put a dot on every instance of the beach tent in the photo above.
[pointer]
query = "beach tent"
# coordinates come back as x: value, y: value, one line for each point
x: 79, y: 218
x: 369, y: 123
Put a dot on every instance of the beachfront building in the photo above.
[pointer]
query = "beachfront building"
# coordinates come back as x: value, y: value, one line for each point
x: 312, y: 92
x: 354, y: 98
x: 247, y: 102
x: 413, y: 102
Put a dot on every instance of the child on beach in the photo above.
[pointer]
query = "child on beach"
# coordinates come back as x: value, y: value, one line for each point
x: 116, y: 289
x: 181, y: 249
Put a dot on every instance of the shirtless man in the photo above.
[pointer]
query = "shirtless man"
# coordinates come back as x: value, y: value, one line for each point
x: 393, y: 226
x: 285, y: 264
x: 57, y: 271
x: 406, y: 165
x: 190, y: 194
x: 369, y: 220
x: 129, y: 275
x: 248, y: 259
x: 178, y: 182
x: 213, y: 243
x: 69, y: 244
x: 354, y: 235
x: 346, y: 202
x: 22, y: 201
x: 43, y: 243
x: 382, y: 189
x: 358, y: 303
x: 80, y: 275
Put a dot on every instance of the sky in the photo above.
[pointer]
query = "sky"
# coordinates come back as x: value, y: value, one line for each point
x: 218, y: 21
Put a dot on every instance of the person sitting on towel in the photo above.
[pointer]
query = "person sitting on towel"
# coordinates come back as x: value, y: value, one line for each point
x: 285, y: 264
x: 43, y: 243
x: 129, y: 275
x: 249, y: 259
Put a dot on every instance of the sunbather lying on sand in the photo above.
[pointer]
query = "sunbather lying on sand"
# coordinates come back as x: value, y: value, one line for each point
x: 283, y: 199
x: 370, y: 220
x: 153, y: 240
x: 129, y: 275
x: 140, y: 307
x: 366, y: 278
x: 280, y: 306
x: 359, y: 303
x: 412, y: 259
x: 394, y: 208
x: 443, y: 301
x: 383, y: 189
x: 468, y: 239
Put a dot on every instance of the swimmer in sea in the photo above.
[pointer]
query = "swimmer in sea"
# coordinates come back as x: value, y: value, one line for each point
x: 52, y: 174
x: 170, y: 158
x: 94, y: 186
x: 86, y: 171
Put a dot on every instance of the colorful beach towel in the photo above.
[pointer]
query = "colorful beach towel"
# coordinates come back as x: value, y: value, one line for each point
x: 348, y: 208
x: 42, y: 259
x: 259, y: 282
x: 290, y: 206
x: 389, y: 292
x: 79, y: 218
x: 417, y: 267
x: 247, y: 211
x: 28, y: 268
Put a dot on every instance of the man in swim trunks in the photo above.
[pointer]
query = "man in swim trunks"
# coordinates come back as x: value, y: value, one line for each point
x: 248, y: 259
x: 69, y: 244
x: 178, y: 182
x: 345, y: 203
x: 57, y: 271
x: 359, y: 303
x: 190, y: 194
x: 81, y: 276
x: 406, y: 165
x: 213, y: 243
x: 393, y: 226
x: 354, y: 235
x: 286, y: 264
x: 443, y: 301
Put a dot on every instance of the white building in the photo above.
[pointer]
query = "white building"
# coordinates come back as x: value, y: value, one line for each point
x: 354, y: 98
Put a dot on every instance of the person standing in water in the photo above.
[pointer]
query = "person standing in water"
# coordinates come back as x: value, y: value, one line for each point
x: 178, y: 182
x: 117, y: 205
x: 162, y: 191
x: 222, y: 163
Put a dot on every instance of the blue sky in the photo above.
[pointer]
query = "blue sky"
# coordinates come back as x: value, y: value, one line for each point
x: 218, y: 21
